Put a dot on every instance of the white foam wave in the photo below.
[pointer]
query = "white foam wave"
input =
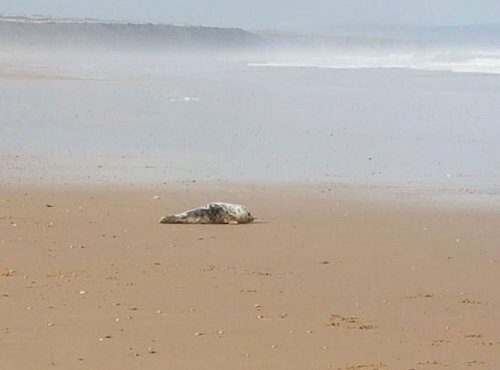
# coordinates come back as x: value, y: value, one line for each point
x: 185, y: 99
x: 477, y: 62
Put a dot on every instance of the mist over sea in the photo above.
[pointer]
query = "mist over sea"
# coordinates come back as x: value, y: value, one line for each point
x: 86, y: 101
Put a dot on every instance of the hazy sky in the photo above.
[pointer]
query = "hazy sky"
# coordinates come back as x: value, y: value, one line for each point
x: 267, y: 13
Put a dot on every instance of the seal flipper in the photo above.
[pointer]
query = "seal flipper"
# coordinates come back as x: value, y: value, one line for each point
x: 170, y: 220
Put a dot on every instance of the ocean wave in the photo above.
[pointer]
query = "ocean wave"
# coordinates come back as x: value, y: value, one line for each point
x: 487, y: 62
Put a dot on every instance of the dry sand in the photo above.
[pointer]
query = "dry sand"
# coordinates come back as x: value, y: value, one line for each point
x: 90, y: 280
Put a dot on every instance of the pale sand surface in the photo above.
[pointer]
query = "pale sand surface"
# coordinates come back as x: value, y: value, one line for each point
x: 94, y: 282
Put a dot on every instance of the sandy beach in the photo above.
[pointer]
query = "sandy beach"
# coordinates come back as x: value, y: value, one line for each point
x: 90, y: 280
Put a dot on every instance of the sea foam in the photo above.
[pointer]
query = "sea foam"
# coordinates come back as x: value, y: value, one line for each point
x: 463, y: 62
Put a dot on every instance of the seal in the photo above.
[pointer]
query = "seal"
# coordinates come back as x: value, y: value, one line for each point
x: 212, y: 213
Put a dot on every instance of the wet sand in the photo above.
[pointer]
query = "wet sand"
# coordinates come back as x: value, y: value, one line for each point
x: 83, y: 118
x: 90, y: 280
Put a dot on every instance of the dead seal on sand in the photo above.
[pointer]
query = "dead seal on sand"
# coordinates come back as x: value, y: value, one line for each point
x: 212, y: 213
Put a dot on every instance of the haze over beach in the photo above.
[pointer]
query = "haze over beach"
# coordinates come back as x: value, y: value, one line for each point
x: 228, y: 104
x: 364, y: 137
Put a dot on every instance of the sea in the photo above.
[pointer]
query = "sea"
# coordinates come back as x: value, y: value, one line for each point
x: 411, y: 117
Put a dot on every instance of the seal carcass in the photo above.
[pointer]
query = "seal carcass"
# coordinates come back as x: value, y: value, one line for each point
x: 212, y: 213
